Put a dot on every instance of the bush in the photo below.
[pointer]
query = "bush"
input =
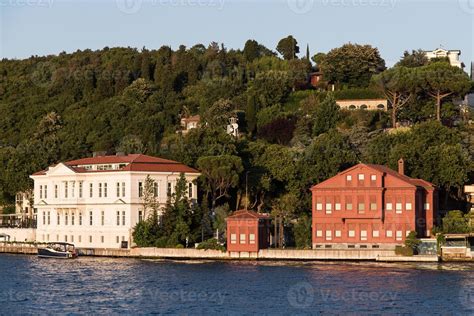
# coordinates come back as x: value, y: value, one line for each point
x: 211, y: 244
x: 403, y: 251
x: 302, y: 231
x: 357, y: 94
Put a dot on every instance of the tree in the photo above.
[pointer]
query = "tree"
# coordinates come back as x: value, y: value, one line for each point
x: 251, y: 114
x: 416, y: 58
x: 441, y: 80
x: 283, y: 210
x: 352, y: 65
x: 302, y: 231
x: 326, y: 115
x: 131, y: 144
x: 397, y: 85
x: 219, y: 174
x: 455, y: 222
x: 253, y: 50
x: 288, y: 47
x: 411, y: 241
x: 149, y: 197
x: 307, y: 52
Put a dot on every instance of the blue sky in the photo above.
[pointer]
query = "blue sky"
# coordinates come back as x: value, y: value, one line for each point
x: 42, y: 27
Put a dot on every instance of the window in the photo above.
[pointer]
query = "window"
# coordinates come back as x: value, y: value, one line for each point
x: 66, y: 189
x: 123, y: 218
x: 408, y: 206
x: 80, y: 218
x: 169, y: 188
x: 55, y: 191
x: 349, y: 206
x: 118, y: 218
x: 251, y: 238
x: 118, y: 189
x: 105, y: 189
x: 348, y: 178
x: 375, y: 234
x: 44, y: 218
x: 328, y: 235
x: 242, y: 239
x: 80, y: 189
x: 140, y: 215
x: 72, y: 238
x: 233, y: 238
x: 41, y: 192
x: 100, y: 189
x: 319, y: 233
x: 389, y: 207
x: 117, y: 239
x: 140, y: 189
x: 90, y: 239
x: 66, y: 216
x: 328, y: 208
x: 73, y: 188
x: 102, y: 239
x: 45, y: 191
x: 91, y: 189
x: 361, y: 177
x: 190, y: 190
x: 337, y: 206
x: 59, y: 219
x: 399, y: 235
x: 352, y: 233
x: 338, y: 233
x: 49, y: 218
x: 389, y: 233
x: 361, y: 207
x: 319, y: 206
x: 65, y: 238
x: 373, y: 206
x: 398, y: 207
x: 90, y: 218
x: 80, y: 238
x: 155, y: 189
x: 102, y: 218
x: 427, y: 206
x: 373, y: 177
x: 363, y: 235
x: 72, y: 218
x: 123, y: 189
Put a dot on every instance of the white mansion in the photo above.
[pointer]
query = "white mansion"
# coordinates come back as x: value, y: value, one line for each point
x: 95, y: 202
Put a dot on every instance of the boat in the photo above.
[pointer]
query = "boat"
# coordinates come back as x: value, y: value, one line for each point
x: 60, y: 250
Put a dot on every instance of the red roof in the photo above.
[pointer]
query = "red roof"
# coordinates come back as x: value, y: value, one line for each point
x: 247, y: 214
x: 134, y: 162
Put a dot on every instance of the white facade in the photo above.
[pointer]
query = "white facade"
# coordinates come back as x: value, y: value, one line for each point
x: 97, y: 205
x: 367, y: 104
x: 452, y: 55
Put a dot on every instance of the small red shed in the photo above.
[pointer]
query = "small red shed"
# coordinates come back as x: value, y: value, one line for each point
x: 248, y: 231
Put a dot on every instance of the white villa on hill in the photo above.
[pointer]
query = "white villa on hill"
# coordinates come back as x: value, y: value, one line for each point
x: 95, y: 202
x: 452, y: 55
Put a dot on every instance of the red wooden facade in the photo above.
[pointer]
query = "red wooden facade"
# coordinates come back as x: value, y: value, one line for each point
x: 371, y: 204
x: 247, y: 231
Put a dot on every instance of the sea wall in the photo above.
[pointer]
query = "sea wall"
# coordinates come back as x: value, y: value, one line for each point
x: 325, y: 254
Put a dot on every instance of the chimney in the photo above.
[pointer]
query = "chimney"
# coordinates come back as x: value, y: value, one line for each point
x: 99, y: 153
x: 401, y: 166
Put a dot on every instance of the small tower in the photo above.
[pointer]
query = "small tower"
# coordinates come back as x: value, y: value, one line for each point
x: 401, y: 166
x: 233, y: 127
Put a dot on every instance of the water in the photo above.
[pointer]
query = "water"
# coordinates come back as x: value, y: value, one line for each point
x: 29, y: 285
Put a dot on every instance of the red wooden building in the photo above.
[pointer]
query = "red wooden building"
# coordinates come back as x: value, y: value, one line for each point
x: 247, y: 231
x: 368, y: 205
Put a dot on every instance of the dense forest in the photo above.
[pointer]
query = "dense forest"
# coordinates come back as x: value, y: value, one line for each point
x: 292, y: 135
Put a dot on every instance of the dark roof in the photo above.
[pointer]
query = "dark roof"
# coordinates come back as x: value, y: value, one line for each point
x: 134, y: 162
x: 248, y: 214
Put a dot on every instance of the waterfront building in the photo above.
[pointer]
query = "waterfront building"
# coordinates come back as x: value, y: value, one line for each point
x: 371, y: 206
x: 23, y: 203
x: 363, y: 104
x: 248, y: 231
x: 95, y: 202
x: 452, y: 55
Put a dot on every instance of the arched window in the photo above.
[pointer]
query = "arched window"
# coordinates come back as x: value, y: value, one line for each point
x: 381, y: 107
x: 363, y: 107
x: 352, y: 107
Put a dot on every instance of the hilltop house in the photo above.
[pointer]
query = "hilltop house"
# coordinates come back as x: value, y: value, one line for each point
x: 452, y: 55
x: 189, y: 123
x: 371, y: 206
x: 363, y: 104
x: 95, y: 202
